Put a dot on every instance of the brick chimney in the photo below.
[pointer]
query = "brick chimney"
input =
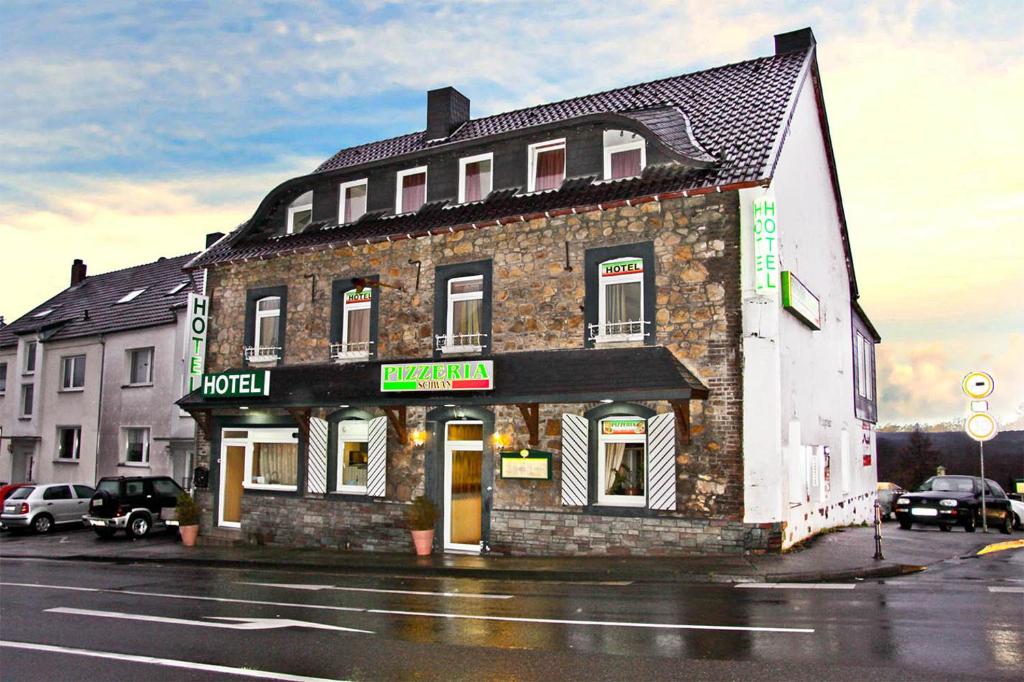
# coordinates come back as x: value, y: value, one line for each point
x: 447, y: 109
x: 77, y: 272
x: 794, y: 41
x: 212, y: 238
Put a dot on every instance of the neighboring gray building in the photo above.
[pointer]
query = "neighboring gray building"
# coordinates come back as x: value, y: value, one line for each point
x: 88, y: 379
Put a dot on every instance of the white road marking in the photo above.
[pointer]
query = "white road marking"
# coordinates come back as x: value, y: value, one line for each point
x: 1011, y: 590
x: 238, y: 624
x: 425, y: 614
x: 317, y: 588
x: 796, y: 586
x: 167, y: 662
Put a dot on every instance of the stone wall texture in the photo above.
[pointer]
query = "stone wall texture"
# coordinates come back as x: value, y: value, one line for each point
x: 537, y: 304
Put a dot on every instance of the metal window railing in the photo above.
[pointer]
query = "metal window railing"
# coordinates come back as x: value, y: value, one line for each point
x: 262, y: 353
x: 619, y: 331
x: 355, y: 350
x: 455, y: 343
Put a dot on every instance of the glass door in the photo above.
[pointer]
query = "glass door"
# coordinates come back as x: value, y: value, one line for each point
x: 463, y: 499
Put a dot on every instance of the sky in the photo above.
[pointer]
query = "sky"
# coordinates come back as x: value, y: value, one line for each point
x: 130, y: 130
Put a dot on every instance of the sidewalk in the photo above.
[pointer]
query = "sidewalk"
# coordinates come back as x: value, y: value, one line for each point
x: 842, y: 555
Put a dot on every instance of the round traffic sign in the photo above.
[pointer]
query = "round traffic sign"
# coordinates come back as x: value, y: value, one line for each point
x: 981, y: 426
x: 979, y: 385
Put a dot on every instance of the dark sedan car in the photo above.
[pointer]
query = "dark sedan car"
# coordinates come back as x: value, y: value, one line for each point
x: 948, y: 501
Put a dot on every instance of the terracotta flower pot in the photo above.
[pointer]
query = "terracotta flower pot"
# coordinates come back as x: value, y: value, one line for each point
x: 423, y: 539
x: 188, y: 535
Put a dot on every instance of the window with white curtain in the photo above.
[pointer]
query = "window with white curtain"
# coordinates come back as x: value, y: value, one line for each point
x: 272, y: 459
x: 411, y: 190
x: 352, y: 201
x: 355, y: 325
x: 465, y: 314
x: 621, y: 300
x: 546, y: 165
x: 475, y: 177
x: 353, y: 455
x: 625, y: 154
x: 267, y: 337
x: 622, y: 461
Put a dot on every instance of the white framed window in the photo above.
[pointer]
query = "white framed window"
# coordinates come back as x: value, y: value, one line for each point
x: 625, y: 154
x: 136, y: 445
x: 140, y: 366
x: 865, y: 351
x: 300, y: 213
x: 28, y: 394
x: 411, y: 189
x: 622, y: 461
x: 271, y: 459
x: 69, y: 442
x: 43, y: 313
x: 352, y: 201
x: 267, y: 335
x: 130, y: 296
x: 476, y: 177
x: 353, y: 456
x: 72, y: 373
x: 28, y: 365
x: 464, y: 315
x: 3, y: 378
x: 620, y: 313
x: 355, y: 326
x: 546, y: 169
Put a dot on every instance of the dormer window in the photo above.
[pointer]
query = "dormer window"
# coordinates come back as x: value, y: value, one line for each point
x: 176, y: 288
x: 300, y: 213
x: 475, y: 177
x: 546, y: 165
x: 43, y: 313
x: 411, y: 190
x: 130, y: 296
x: 352, y: 201
x: 625, y: 154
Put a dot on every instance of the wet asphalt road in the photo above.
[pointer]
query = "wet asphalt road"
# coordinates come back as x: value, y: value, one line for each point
x: 946, y: 622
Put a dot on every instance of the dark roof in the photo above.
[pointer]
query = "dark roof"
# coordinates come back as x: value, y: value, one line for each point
x: 735, y: 111
x: 92, y: 308
x: 550, y: 376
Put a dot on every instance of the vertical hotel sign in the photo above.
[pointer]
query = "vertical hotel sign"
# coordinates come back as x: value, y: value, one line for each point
x: 766, y: 246
x: 195, y: 339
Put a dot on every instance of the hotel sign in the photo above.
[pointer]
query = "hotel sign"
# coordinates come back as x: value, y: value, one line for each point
x: 633, y: 266
x: 198, y: 311
x: 244, y: 384
x: 766, y: 246
x: 798, y: 299
x: 526, y: 464
x: 353, y: 297
x: 470, y: 375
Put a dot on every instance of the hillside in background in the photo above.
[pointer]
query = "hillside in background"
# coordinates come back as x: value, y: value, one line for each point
x: 907, y: 458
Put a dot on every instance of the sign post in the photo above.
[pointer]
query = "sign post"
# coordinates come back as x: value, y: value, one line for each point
x: 981, y: 426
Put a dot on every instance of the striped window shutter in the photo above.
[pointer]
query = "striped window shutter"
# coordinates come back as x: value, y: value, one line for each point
x: 316, y: 451
x: 661, y: 461
x: 377, y: 457
x: 575, y: 444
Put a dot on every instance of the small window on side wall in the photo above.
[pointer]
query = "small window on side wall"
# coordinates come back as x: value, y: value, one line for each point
x: 136, y: 446
x: 140, y: 366
x: 357, y: 308
x: 352, y: 198
x: 69, y: 442
x: 411, y: 190
x: 546, y: 165
x: 464, y: 315
x: 300, y: 213
x: 620, y: 300
x: 3, y: 378
x: 72, y: 373
x: 475, y: 177
x: 267, y: 345
x: 625, y: 154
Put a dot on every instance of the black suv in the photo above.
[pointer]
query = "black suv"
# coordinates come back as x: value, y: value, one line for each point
x: 136, y: 504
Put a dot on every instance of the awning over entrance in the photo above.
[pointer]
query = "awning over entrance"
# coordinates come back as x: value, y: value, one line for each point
x: 556, y: 376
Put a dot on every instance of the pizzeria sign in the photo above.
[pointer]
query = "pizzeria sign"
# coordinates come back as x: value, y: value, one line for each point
x: 471, y: 375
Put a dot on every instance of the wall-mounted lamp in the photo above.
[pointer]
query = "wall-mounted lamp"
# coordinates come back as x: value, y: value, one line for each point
x: 418, y: 438
x: 501, y: 440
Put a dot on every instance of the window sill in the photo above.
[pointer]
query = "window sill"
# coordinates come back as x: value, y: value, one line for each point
x: 28, y: 374
x: 25, y: 418
x: 623, y: 503
x: 263, y: 360
x: 267, y: 486
x: 618, y: 338
x: 461, y: 350
x: 65, y: 461
x: 350, y: 490
x: 137, y: 465
x: 342, y: 358
x: 149, y: 385
x: 71, y: 390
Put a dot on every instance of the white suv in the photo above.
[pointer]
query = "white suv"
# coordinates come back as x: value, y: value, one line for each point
x: 40, y: 507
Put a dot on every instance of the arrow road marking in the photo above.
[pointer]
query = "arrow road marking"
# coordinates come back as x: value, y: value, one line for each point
x: 166, y: 662
x: 317, y: 588
x: 238, y: 624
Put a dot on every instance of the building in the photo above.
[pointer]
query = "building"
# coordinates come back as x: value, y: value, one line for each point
x: 624, y: 323
x: 88, y: 379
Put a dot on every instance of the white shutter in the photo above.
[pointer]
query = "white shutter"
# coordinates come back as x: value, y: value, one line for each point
x: 377, y: 457
x: 316, y: 452
x: 575, y: 444
x: 661, y: 461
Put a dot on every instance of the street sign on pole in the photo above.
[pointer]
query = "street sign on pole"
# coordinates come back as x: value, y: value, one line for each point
x: 981, y: 426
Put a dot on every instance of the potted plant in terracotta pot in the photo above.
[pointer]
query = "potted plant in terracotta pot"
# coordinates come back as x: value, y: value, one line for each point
x: 422, y: 516
x: 187, y: 513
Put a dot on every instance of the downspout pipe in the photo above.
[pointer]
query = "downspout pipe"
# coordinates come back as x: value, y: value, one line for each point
x: 99, y: 410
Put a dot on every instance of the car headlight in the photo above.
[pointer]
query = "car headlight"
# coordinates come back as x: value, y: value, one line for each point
x: 947, y: 503
x: 903, y: 500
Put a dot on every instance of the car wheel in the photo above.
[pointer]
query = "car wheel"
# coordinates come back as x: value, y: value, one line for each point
x: 906, y: 524
x: 1017, y: 523
x: 945, y: 527
x: 970, y: 523
x: 104, y: 533
x: 138, y: 526
x: 42, y: 523
x: 1006, y: 527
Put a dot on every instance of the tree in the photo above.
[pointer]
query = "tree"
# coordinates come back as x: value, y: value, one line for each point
x: 918, y: 460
